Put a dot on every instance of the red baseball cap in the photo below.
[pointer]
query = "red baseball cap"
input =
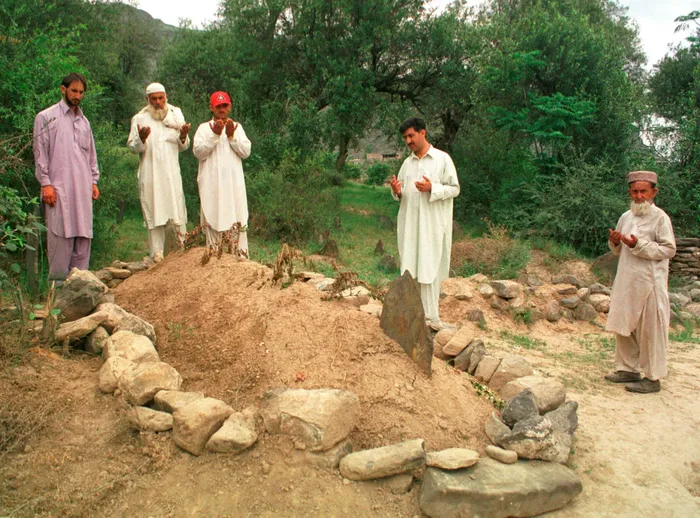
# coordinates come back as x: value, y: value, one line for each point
x: 218, y: 98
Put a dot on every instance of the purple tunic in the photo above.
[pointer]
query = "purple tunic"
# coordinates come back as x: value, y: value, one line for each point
x: 65, y: 158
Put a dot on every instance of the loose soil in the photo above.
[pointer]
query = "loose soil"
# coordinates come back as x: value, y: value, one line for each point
x: 233, y: 334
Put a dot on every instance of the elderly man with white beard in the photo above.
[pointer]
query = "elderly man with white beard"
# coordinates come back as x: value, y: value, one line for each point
x: 639, y: 307
x: 158, y: 134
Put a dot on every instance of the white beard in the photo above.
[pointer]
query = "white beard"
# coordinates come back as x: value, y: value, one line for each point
x: 640, y: 209
x: 158, y: 115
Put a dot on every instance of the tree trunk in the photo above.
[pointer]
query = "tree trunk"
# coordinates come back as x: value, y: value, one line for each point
x: 342, y: 152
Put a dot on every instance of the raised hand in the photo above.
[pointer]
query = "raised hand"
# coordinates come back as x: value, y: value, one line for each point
x: 184, y: 130
x: 143, y: 132
x: 217, y: 126
x: 231, y: 127
x: 395, y: 185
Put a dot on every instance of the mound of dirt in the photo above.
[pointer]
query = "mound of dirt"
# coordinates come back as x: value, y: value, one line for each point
x: 233, y: 334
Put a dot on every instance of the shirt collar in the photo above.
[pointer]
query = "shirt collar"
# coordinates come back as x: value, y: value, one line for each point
x: 429, y: 152
x: 65, y: 108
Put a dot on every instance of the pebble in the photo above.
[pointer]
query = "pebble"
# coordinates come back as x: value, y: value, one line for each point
x: 501, y: 455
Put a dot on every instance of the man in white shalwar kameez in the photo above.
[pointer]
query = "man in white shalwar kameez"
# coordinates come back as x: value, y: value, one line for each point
x: 221, y: 145
x: 158, y: 134
x: 639, y: 307
x: 426, y: 186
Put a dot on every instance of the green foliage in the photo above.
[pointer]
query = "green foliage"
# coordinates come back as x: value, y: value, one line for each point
x: 378, y: 173
x: 686, y: 334
x: 15, y: 227
x: 352, y: 171
x: 293, y: 202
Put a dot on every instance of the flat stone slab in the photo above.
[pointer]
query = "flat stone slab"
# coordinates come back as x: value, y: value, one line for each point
x: 194, y: 424
x: 403, y: 320
x: 511, y: 367
x: 173, y: 400
x: 149, y: 420
x: 491, y: 489
x: 79, y: 328
x: 236, y: 434
x: 317, y: 418
x: 111, y: 371
x: 398, y: 458
x: 506, y: 289
x: 452, y: 458
x: 461, y: 339
x: 144, y: 381
x: 549, y: 393
x: 137, y: 348
x: 121, y: 320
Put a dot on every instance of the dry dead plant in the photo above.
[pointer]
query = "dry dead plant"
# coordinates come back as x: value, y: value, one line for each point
x: 343, y: 281
x: 228, y: 242
x: 285, y: 262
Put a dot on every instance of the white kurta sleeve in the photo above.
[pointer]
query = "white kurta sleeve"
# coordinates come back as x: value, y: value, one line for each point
x: 180, y: 119
x: 449, y: 184
x: 134, y: 142
x: 240, y: 143
x: 205, y: 141
x: 663, y: 248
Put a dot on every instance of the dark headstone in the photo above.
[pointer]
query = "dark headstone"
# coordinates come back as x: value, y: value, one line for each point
x: 173, y: 240
x: 388, y: 263
x: 379, y: 249
x: 330, y: 249
x: 519, y: 408
x: 385, y: 222
x: 606, y: 264
x: 403, y: 320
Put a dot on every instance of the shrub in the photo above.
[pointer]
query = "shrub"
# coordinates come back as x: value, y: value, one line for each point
x: 352, y: 171
x: 377, y: 173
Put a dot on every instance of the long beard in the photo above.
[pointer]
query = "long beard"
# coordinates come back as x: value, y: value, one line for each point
x: 72, y: 102
x: 640, y: 209
x: 158, y: 115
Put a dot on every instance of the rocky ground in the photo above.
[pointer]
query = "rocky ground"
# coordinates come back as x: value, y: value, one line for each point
x: 232, y: 334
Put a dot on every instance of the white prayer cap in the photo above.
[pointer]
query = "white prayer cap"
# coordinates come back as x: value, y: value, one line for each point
x: 642, y: 176
x: 154, y: 88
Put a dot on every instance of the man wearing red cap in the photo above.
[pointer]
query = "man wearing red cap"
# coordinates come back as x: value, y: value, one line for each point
x: 158, y: 134
x: 639, y: 307
x: 221, y: 145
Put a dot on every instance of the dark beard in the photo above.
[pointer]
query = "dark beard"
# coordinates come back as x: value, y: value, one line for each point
x: 74, y: 102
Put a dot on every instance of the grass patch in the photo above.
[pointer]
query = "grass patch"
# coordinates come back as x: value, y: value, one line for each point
x: 128, y: 241
x: 686, y: 334
x: 524, y: 342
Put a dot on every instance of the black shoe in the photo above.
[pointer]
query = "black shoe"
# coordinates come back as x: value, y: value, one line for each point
x: 646, y: 386
x: 623, y: 377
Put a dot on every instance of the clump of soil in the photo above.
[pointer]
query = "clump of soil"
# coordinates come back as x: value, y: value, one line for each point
x: 233, y: 333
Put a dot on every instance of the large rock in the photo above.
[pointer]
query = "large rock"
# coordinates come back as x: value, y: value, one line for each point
x: 144, y: 381
x: 534, y: 438
x: 121, y: 320
x: 496, y: 429
x: 329, y: 459
x: 403, y: 320
x: 194, y: 424
x: 564, y: 418
x: 549, y: 393
x: 486, y: 291
x: 606, y: 264
x: 237, y: 433
x: 131, y: 346
x: 96, y: 340
x: 487, y: 366
x: 111, y: 371
x: 506, y: 289
x: 452, y: 458
x: 461, y: 339
x: 461, y: 361
x: 443, y: 337
x: 566, y: 289
x: 585, y: 312
x: 567, y: 279
x: 456, y: 287
x: 383, y: 462
x: 598, y: 288
x: 478, y: 353
x: 520, y: 407
x: 173, y: 400
x: 79, y: 295
x: 553, y: 312
x: 510, y: 368
x: 600, y: 301
x: 570, y: 302
x: 495, y: 490
x: 79, y: 328
x: 678, y: 299
x: 318, y: 418
x: 149, y: 420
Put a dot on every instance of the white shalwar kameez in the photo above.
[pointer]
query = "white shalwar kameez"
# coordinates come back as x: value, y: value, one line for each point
x: 160, y: 183
x: 639, y: 307
x: 424, y: 225
x: 221, y: 182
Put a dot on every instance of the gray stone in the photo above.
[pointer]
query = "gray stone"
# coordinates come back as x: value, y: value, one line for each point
x: 144, y: 381
x: 79, y: 295
x: 534, y: 438
x: 131, y: 346
x: 570, y: 302
x: 235, y: 435
x: 600, y: 301
x: 519, y: 408
x: 452, y: 458
x: 583, y: 294
x: 461, y: 361
x: 487, y: 366
x: 118, y: 273
x: 693, y: 308
x: 149, y: 420
x: 96, y: 340
x: 585, y: 312
x: 599, y: 288
x: 79, y: 328
x: 496, y: 429
x: 566, y: 289
x: 499, y: 304
x: 553, y: 313
x: 506, y: 289
x: 549, y: 393
x: 564, y: 418
x: 111, y: 371
x: 678, y: 299
x: 476, y: 315
x: 695, y: 294
x: 318, y: 418
x: 501, y: 455
x: 194, y: 424
x: 486, y: 291
x: 173, y: 400
x: 403, y: 320
x: 534, y: 281
x: 478, y: 278
x: 174, y: 240
x: 510, y: 368
x: 398, y: 458
x: 121, y: 320
x: 606, y: 264
x: 103, y: 275
x: 464, y: 336
x: 495, y: 490
x: 136, y: 266
x: 397, y: 484
x: 478, y: 353
x: 567, y: 279
x: 329, y: 459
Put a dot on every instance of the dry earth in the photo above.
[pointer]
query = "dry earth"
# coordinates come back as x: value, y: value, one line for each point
x: 232, y: 334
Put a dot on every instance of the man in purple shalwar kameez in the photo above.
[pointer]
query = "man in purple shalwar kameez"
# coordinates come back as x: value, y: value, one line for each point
x: 66, y: 167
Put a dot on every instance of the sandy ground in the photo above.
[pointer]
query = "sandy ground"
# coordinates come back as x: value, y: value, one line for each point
x: 232, y: 334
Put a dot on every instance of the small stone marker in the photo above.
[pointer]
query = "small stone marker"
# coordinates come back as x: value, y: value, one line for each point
x: 173, y: 240
x: 501, y: 455
x: 452, y: 458
x: 383, y: 462
x: 403, y: 320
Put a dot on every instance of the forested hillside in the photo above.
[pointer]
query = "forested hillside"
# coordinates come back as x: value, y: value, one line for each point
x: 543, y: 105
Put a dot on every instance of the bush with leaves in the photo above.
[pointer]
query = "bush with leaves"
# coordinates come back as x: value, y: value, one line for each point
x: 378, y: 173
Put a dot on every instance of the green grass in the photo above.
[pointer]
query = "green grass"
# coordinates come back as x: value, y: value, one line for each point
x: 523, y: 341
x: 686, y: 335
x: 127, y: 241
